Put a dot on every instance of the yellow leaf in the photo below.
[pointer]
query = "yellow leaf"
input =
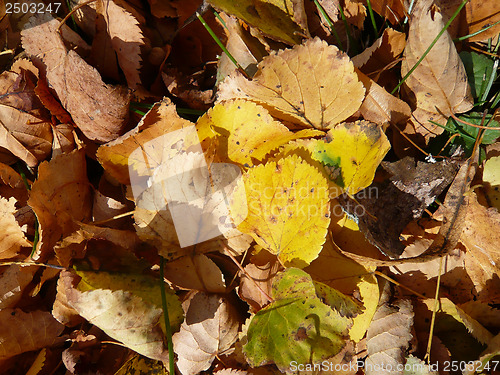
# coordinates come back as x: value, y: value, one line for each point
x: 284, y: 20
x: 248, y: 129
x: 358, y: 148
x: 313, y: 85
x: 288, y: 209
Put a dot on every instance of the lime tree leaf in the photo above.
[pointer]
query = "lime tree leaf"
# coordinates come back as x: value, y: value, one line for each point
x: 287, y: 210
x: 297, y: 326
x: 356, y: 149
x: 248, y: 130
x: 312, y: 85
x: 143, y: 286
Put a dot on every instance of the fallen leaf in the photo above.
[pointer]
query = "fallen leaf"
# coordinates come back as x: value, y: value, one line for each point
x: 379, y: 106
x: 139, y: 365
x: 438, y: 86
x: 210, y: 329
x: 297, y: 326
x: 60, y: 196
x: 281, y: 20
x: 388, y: 338
x: 385, y: 208
x: 302, y: 85
x: 355, y: 150
x: 195, y: 272
x: 12, y: 236
x: 247, y: 131
x: 98, y: 109
x: 288, y: 209
x: 13, y: 281
x: 491, y: 180
x: 123, y: 316
x: 257, y: 275
x: 126, y: 38
x: 22, y: 332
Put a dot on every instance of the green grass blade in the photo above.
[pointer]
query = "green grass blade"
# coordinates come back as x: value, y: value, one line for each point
x: 476, y: 33
x: 330, y: 24
x: 372, y: 18
x: 168, y: 329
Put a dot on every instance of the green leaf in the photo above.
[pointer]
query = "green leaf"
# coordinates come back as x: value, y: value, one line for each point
x: 297, y: 326
x: 469, y: 133
x: 479, y: 68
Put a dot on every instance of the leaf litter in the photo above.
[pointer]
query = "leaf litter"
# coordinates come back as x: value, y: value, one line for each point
x: 311, y: 215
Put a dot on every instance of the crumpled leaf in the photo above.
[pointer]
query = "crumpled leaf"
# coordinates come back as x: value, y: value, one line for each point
x: 388, y: 337
x: 25, y: 331
x: 210, y: 329
x: 98, y: 109
x: 12, y: 236
x: 438, y: 86
x: 60, y: 196
x: 393, y: 204
x: 297, y: 326
x: 312, y: 84
x: 250, y: 132
x: 140, y: 365
x: 354, y: 151
x: 122, y: 315
x: 281, y: 20
x: 288, y: 209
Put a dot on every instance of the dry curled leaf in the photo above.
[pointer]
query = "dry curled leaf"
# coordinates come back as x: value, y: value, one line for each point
x: 210, y: 329
x: 98, y: 109
x: 312, y: 85
x: 388, y: 338
x: 12, y: 236
x: 438, y: 86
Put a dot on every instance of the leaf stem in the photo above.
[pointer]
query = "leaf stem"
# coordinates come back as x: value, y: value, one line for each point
x: 430, y: 47
x: 168, y: 329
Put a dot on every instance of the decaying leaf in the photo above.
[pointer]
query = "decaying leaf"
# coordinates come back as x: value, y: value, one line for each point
x: 393, y: 204
x: 12, y: 283
x: 60, y: 196
x: 25, y: 331
x: 287, y: 209
x: 210, y: 329
x: 122, y: 315
x: 388, y: 338
x: 312, y: 85
x: 438, y: 86
x: 98, y: 109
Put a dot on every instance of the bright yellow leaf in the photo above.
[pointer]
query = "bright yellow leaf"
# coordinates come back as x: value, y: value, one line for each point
x: 288, y: 209
x: 248, y: 129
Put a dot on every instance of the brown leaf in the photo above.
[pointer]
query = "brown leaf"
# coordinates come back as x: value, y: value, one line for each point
x: 195, y: 272
x: 379, y: 106
x: 438, y: 86
x: 22, y: 332
x: 12, y: 284
x: 98, y: 109
x: 385, y: 208
x: 261, y: 276
x: 125, y: 38
x: 59, y: 196
x: 388, y: 337
x: 12, y: 236
x: 210, y: 329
